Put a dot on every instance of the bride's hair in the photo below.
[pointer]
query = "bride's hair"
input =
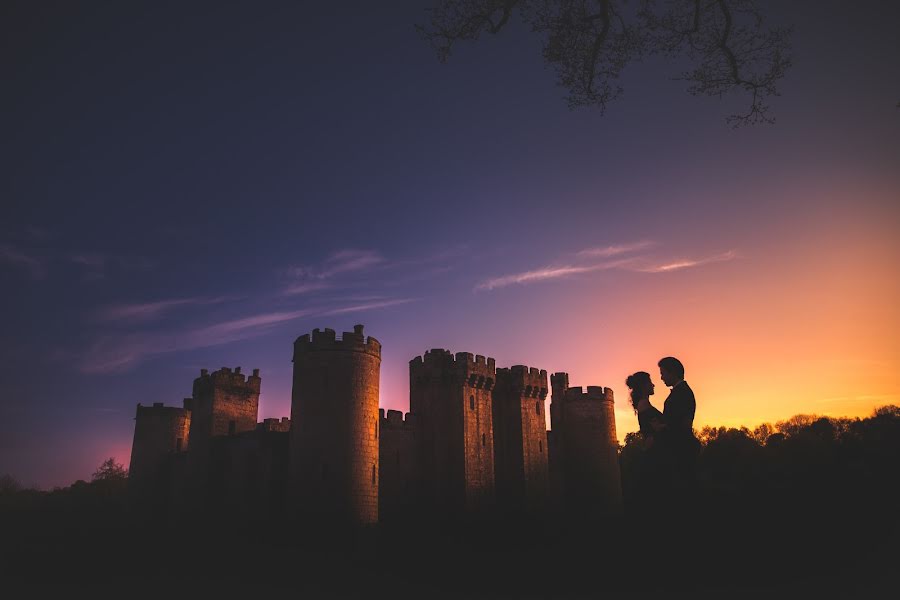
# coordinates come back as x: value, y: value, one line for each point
x: 641, y: 380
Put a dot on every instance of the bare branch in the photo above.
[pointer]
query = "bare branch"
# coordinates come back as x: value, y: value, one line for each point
x: 453, y: 20
x: 730, y: 57
x: 590, y: 42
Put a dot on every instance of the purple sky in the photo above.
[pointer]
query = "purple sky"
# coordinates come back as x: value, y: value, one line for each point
x: 194, y: 187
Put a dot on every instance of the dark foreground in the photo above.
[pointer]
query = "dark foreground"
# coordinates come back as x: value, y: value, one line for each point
x: 48, y: 549
x: 805, y: 509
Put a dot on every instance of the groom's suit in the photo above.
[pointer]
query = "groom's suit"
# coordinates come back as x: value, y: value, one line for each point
x: 679, y: 410
x: 678, y: 414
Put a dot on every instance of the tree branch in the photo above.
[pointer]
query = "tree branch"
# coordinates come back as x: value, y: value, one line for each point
x: 590, y: 42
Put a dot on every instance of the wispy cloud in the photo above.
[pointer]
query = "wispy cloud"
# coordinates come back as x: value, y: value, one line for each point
x: 94, y: 265
x: 350, y: 260
x: 306, y: 279
x: 29, y: 248
x: 89, y: 259
x: 220, y: 333
x: 20, y: 259
x: 367, y: 306
x: 118, y: 353
x: 616, y: 250
x: 578, y: 264
x: 309, y: 287
x: 351, y: 268
x: 343, y: 261
x: 687, y: 263
x: 543, y: 274
x: 151, y: 310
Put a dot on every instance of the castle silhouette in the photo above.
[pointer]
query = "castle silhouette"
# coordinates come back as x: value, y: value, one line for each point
x: 473, y: 444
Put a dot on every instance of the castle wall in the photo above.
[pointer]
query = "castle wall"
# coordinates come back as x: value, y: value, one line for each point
x: 451, y: 400
x: 159, y: 432
x: 224, y: 403
x: 559, y: 383
x: 589, y: 455
x: 248, y: 473
x: 334, y: 432
x: 520, y: 446
x: 283, y: 425
x: 177, y: 496
x: 398, y: 466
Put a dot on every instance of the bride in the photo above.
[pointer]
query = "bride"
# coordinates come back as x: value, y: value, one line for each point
x: 650, y: 418
x: 648, y: 470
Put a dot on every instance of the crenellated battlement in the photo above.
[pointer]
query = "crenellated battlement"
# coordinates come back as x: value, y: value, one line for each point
x: 395, y: 419
x: 224, y: 402
x: 274, y: 424
x: 159, y: 410
x: 594, y: 392
x: 327, y: 340
x: 473, y: 370
x: 228, y: 379
x: 528, y: 382
x: 559, y: 382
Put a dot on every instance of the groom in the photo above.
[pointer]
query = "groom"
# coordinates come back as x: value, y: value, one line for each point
x: 678, y: 413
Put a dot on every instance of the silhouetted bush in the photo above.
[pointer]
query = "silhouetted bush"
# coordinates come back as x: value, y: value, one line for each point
x: 820, y: 465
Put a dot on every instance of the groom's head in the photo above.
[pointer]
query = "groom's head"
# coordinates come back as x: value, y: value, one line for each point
x: 671, y: 370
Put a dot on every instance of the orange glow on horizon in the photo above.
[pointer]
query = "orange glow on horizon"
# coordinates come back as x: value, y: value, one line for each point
x: 803, y: 320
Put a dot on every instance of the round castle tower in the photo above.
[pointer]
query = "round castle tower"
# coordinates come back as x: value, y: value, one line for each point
x: 334, y: 427
x: 591, y: 446
x: 584, y: 452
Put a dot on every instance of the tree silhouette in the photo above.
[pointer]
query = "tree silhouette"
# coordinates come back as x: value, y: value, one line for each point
x: 9, y: 484
x: 110, y: 470
x: 806, y: 463
x: 590, y: 42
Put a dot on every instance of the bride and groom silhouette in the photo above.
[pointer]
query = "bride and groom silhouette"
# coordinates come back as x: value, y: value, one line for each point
x: 668, y: 435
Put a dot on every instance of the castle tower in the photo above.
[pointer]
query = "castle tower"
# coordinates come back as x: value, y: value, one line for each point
x: 397, y: 466
x: 520, y: 438
x: 224, y: 403
x: 559, y: 383
x: 450, y: 398
x: 159, y: 432
x: 585, y: 448
x: 334, y: 428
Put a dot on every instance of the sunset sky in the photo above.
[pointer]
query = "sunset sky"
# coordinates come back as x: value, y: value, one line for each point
x: 190, y: 188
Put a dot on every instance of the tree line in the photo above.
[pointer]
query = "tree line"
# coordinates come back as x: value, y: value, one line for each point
x: 807, y: 464
x: 771, y: 467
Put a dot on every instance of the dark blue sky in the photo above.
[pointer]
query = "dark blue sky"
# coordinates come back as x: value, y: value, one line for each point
x: 193, y: 185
